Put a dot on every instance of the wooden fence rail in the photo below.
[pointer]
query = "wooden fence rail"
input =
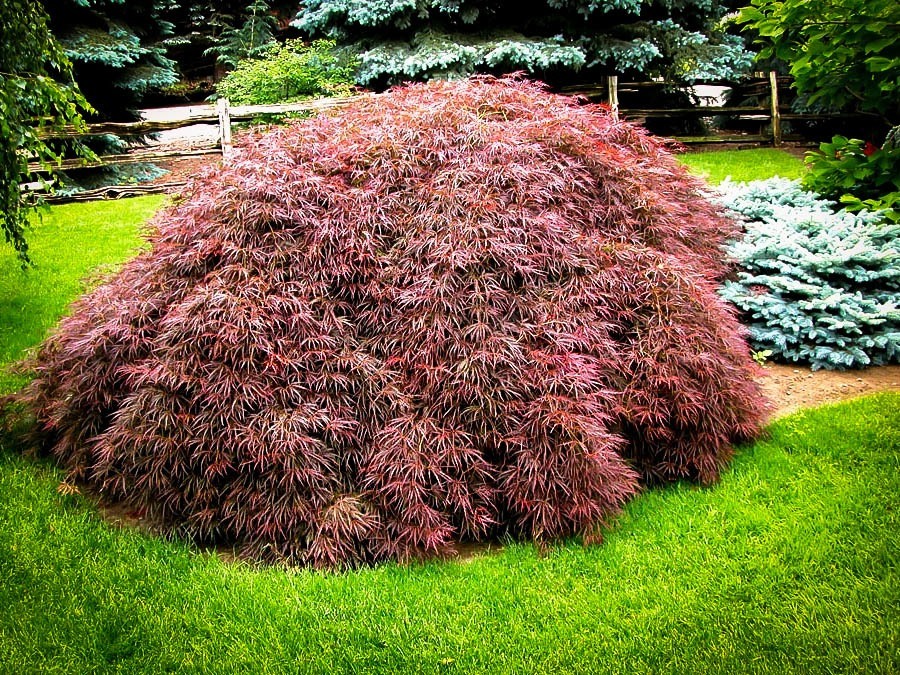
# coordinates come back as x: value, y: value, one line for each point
x: 224, y: 115
x: 773, y: 114
x: 115, y: 192
x: 130, y: 158
x: 242, y: 113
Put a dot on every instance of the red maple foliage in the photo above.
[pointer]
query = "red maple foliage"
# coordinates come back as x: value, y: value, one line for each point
x: 454, y: 310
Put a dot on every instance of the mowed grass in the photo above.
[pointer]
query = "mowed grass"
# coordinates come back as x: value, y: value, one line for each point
x: 69, y: 242
x: 743, y: 165
x: 788, y: 565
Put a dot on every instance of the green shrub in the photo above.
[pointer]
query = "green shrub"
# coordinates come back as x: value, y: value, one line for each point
x: 815, y: 285
x: 287, y: 73
x: 858, y: 174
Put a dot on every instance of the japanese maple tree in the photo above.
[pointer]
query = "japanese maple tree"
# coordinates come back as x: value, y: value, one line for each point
x: 451, y: 311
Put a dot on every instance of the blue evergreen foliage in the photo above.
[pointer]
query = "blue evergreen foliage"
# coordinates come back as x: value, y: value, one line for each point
x: 815, y: 285
x: 118, y: 53
x: 398, y: 40
x: 117, y: 49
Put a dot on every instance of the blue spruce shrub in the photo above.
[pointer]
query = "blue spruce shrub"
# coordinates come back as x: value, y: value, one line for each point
x: 814, y: 285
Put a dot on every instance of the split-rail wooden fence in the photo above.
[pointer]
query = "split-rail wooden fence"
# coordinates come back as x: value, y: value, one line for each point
x: 769, y: 117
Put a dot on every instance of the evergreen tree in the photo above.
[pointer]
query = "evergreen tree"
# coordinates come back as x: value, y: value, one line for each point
x: 211, y: 33
x: 247, y: 39
x: 399, y: 40
x: 117, y: 48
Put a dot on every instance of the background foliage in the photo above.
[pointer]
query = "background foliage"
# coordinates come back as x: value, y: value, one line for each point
x: 283, y: 73
x: 399, y: 40
x: 247, y: 39
x: 36, y: 93
x: 210, y: 35
x: 117, y: 49
x: 843, y: 54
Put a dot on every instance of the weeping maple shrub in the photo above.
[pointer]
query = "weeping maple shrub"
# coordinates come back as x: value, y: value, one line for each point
x: 453, y: 311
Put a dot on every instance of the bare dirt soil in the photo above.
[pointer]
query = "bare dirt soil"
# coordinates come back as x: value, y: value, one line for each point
x: 182, y: 170
x: 790, y: 388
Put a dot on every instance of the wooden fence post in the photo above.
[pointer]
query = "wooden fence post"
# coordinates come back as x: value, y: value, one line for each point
x: 776, y: 112
x: 224, y: 128
x: 612, y: 95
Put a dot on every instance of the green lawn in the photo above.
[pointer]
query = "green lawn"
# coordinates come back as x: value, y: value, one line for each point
x: 743, y: 165
x: 67, y: 244
x: 788, y: 565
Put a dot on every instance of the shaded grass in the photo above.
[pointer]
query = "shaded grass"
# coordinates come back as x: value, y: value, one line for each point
x: 790, y: 564
x: 743, y: 165
x: 66, y: 244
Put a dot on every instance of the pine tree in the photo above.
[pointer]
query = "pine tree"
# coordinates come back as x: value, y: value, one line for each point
x: 247, y: 39
x: 401, y: 40
x: 117, y: 49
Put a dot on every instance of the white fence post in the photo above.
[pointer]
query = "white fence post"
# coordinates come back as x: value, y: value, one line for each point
x: 776, y: 112
x: 222, y: 108
x: 612, y: 95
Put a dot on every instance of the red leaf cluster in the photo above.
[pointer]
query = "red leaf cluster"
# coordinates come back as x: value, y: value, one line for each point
x: 455, y: 310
